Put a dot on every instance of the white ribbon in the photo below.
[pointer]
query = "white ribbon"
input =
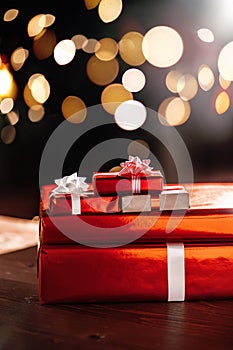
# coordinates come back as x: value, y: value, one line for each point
x: 176, y: 272
x: 73, y: 185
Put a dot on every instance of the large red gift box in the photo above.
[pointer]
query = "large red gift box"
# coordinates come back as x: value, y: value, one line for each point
x: 76, y: 273
x: 209, y: 219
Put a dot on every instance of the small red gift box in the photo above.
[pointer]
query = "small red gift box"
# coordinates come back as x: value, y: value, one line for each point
x: 135, y: 176
x: 175, y: 272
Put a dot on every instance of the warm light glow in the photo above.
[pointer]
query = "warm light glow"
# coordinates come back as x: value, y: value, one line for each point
x: 6, y: 105
x: 130, y: 48
x: 13, y: 117
x: 130, y: 115
x: 205, y: 77
x: 187, y: 87
x: 90, y: 45
x: 225, y: 60
x: 10, y: 15
x: 79, y: 41
x: 91, y: 4
x: 174, y: 111
x: 109, y: 10
x: 172, y: 79
x: 18, y: 58
x: 6, y: 80
x: 133, y: 80
x: 36, y: 25
x: 113, y: 95
x: 28, y: 98
x: 225, y: 84
x: 139, y: 148
x: 162, y: 46
x: 222, y: 102
x: 74, y: 109
x: 40, y: 88
x: 8, y: 134
x: 49, y: 20
x: 44, y: 44
x: 36, y: 113
x: 107, y: 49
x: 64, y: 52
x: 102, y: 72
x: 205, y: 35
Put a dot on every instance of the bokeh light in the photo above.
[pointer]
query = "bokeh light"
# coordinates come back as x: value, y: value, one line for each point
x: 130, y: 115
x: 102, y: 72
x: 79, y: 41
x: 174, y: 111
x: 107, y: 49
x: 13, y: 117
x: 225, y: 84
x: 139, y: 148
x: 113, y: 95
x: 133, y: 79
x: 205, y: 35
x: 109, y: 10
x: 36, y: 25
x: 162, y: 46
x: 74, y: 109
x: 225, y: 60
x: 18, y: 58
x: 130, y: 48
x: 91, y: 4
x: 8, y: 134
x: 222, y: 102
x: 64, y: 52
x: 6, y: 105
x: 206, y: 77
x: 40, y: 88
x: 90, y: 45
x: 187, y: 87
x: 44, y: 44
x: 36, y: 113
x: 172, y: 79
x: 10, y: 15
x: 8, y: 87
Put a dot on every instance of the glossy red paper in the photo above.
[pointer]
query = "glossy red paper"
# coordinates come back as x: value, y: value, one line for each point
x: 131, y: 273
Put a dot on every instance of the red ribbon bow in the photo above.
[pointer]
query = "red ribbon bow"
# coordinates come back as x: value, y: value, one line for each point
x: 135, y: 167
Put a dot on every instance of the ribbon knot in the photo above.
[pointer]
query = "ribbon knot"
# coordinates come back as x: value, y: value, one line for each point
x: 135, y: 168
x: 74, y: 185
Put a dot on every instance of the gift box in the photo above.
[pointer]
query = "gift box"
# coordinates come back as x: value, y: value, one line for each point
x: 172, y: 272
x: 135, y: 177
x: 208, y: 219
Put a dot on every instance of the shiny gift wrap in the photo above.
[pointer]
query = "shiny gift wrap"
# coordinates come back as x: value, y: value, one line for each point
x: 209, y: 219
x: 132, y: 273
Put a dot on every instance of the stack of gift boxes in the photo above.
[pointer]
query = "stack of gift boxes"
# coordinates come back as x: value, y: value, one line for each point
x: 129, y: 237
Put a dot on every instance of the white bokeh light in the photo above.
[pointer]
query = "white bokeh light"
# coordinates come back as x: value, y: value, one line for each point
x: 133, y: 80
x: 64, y: 52
x: 130, y: 115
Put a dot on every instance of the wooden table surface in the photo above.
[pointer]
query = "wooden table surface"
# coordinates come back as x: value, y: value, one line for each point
x: 25, y: 324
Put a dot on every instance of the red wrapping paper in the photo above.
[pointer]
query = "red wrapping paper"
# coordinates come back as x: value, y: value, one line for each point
x: 209, y: 219
x: 131, y: 273
x: 111, y: 183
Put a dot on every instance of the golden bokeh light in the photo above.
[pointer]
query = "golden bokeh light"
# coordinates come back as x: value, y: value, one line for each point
x: 172, y: 79
x: 79, y: 41
x: 225, y: 60
x: 13, y: 117
x: 74, y: 109
x: 8, y: 134
x: 109, y: 10
x: 139, y: 148
x: 130, y: 48
x: 44, y: 44
x: 36, y: 25
x: 8, y: 87
x: 64, y: 52
x: 133, y: 79
x: 28, y: 98
x: 187, y: 87
x: 36, y: 113
x: 91, y: 4
x: 205, y: 35
x: 6, y: 105
x: 40, y: 88
x: 49, y: 20
x: 174, y: 111
x: 162, y: 46
x: 206, y: 77
x: 130, y: 115
x: 10, y: 15
x: 115, y: 169
x: 102, y: 72
x: 113, y: 95
x: 222, y: 102
x: 225, y: 84
x: 18, y: 58
x: 90, y: 45
x: 107, y: 49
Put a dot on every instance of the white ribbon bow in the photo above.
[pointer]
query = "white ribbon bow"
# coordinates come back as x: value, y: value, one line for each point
x: 73, y: 185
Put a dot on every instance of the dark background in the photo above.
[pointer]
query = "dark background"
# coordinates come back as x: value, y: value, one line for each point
x: 208, y: 136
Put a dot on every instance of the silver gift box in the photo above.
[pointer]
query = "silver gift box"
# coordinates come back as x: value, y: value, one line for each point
x: 136, y: 203
x: 176, y: 199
